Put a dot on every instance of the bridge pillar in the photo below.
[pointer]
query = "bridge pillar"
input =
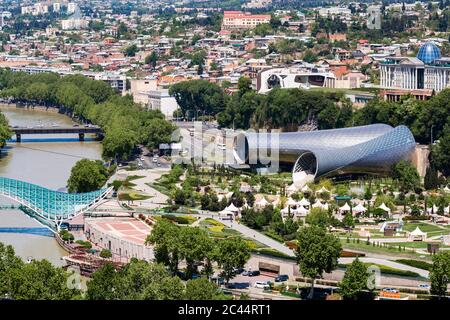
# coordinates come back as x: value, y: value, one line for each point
x: 18, y: 137
x: 81, y: 136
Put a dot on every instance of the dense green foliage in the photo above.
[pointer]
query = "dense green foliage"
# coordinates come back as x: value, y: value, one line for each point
x: 173, y: 244
x: 354, y: 281
x: 440, y: 273
x: 317, y: 252
x: 37, y: 280
x: 124, y: 122
x: 87, y: 175
x: 5, y: 132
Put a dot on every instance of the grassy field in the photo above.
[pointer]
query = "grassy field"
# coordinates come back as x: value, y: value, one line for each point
x: 388, y: 270
x: 425, y: 227
x: 393, y: 251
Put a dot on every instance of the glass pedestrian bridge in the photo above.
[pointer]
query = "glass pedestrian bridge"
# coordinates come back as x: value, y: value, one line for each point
x: 52, y: 206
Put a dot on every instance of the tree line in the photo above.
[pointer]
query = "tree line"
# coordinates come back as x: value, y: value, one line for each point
x: 125, y: 123
x: 290, y: 108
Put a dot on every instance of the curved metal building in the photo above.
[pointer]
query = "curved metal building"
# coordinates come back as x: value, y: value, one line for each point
x: 365, y: 149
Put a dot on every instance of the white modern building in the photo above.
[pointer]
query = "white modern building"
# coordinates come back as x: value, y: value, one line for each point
x: 303, y: 77
x: 426, y: 71
x: 162, y: 101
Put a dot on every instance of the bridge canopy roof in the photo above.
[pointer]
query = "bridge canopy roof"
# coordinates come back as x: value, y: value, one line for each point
x: 49, y: 204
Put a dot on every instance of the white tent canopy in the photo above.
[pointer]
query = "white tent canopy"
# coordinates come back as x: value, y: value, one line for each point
x: 232, y: 208
x: 304, y: 202
x: 359, y: 208
x: 384, y: 207
x: 317, y: 204
x: 306, y: 188
x: 345, y: 207
x: 321, y: 190
x: 302, y: 211
x: 291, y: 202
x: 418, y: 232
x: 262, y: 203
x: 285, y: 210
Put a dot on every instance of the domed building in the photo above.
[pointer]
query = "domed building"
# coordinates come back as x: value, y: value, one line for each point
x: 428, y: 53
x: 421, y: 76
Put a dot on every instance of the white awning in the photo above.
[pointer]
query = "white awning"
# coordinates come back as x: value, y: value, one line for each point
x: 384, y: 207
x: 345, y: 207
x: 304, y: 202
x: 359, y: 208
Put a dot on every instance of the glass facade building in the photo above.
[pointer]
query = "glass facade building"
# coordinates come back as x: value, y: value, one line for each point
x: 371, y: 149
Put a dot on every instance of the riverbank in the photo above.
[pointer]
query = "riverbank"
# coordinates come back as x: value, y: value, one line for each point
x: 44, y: 163
x: 29, y: 107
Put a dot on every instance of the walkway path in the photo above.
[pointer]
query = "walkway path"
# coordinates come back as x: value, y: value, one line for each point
x: 157, y: 199
x: 250, y: 233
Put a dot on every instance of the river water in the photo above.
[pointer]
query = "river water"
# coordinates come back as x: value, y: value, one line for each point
x: 45, y: 160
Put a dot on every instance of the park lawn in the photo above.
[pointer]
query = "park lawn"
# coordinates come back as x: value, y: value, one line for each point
x: 387, y: 270
x: 425, y: 227
x: 393, y: 251
x: 133, y: 196
x: 417, y: 244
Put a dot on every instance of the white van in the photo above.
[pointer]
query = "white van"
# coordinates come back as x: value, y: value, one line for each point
x: 261, y: 285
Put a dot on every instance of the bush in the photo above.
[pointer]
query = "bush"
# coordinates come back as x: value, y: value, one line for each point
x: 66, y: 236
x: 176, y: 219
x: 84, y: 244
x: 105, y: 254
x: 273, y: 253
x: 415, y: 263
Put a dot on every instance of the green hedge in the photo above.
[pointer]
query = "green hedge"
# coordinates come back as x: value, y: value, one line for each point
x: 177, y: 219
x: 415, y: 263
x: 273, y: 253
x: 388, y: 270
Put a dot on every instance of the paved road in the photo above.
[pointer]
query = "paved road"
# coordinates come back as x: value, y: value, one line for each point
x: 250, y: 233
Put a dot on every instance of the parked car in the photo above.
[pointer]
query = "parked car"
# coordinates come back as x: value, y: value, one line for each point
x: 282, y: 278
x: 261, y: 285
x: 238, y: 285
x: 238, y: 270
x: 254, y: 273
x: 393, y: 290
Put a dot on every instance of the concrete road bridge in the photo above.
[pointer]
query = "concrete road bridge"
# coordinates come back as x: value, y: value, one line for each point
x: 80, y: 130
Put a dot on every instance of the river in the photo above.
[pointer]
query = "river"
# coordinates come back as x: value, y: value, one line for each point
x: 46, y: 162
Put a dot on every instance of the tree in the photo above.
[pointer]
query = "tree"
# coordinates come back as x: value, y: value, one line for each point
x: 441, y: 152
x: 244, y: 85
x: 156, y: 131
x: 105, y: 254
x: 87, y: 175
x: 152, y: 59
x: 231, y: 253
x: 317, y: 252
x: 318, y: 217
x: 103, y: 284
x: 202, y: 289
x: 195, y: 245
x: 5, y: 132
x: 407, y: 175
x: 130, y: 51
x: 348, y: 220
x: 165, y: 237
x: 440, y: 274
x: 354, y: 281
x: 431, y: 180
